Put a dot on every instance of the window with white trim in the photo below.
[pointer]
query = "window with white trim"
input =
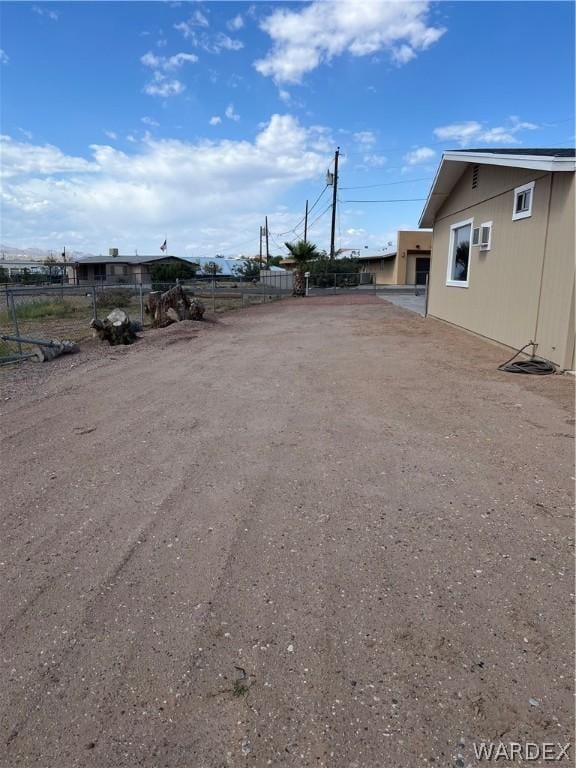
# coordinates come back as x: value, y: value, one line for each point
x: 459, y: 254
x: 485, y: 236
x: 475, y: 235
x: 523, y: 197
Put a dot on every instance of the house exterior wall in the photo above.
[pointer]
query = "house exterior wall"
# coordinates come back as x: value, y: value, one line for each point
x: 555, y: 327
x: 502, y: 299
x: 118, y: 273
x: 409, y: 240
x: 382, y: 269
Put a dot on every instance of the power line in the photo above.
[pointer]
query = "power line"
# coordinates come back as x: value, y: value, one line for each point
x: 295, y: 227
x: 320, y: 216
x: 276, y: 243
x: 407, y: 200
x: 390, y: 183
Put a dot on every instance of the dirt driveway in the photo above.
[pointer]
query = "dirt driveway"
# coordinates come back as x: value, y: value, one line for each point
x: 323, y: 532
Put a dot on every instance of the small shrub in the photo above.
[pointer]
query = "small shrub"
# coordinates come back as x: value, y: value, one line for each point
x: 114, y: 297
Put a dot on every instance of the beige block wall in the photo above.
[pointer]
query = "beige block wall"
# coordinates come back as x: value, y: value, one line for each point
x: 384, y: 272
x: 502, y: 299
x: 408, y: 240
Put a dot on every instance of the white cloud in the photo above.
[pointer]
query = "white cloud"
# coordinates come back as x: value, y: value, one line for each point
x: 210, y: 43
x: 195, y: 30
x: 178, y: 187
x: 22, y: 158
x: 52, y: 15
x: 365, y: 138
x: 236, y: 23
x: 188, y: 28
x: 460, y: 132
x: 215, y: 120
x: 149, y: 121
x: 223, y: 42
x: 304, y: 39
x: 231, y: 114
x: 111, y: 135
x: 167, y: 63
x: 419, y: 155
x: 3, y: 57
x: 374, y: 161
x: 161, y: 86
x: 474, y: 131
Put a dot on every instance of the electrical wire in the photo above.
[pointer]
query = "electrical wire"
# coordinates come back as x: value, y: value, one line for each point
x: 390, y: 183
x: 537, y: 366
x: 320, y: 216
x: 276, y: 243
x: 296, y: 226
x: 407, y: 200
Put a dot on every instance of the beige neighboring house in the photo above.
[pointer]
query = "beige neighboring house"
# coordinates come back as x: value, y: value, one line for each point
x: 503, y: 246
x: 408, y: 264
x: 117, y: 269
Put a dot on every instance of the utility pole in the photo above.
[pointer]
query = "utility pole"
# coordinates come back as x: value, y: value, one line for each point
x: 335, y: 192
x: 306, y: 223
x: 267, y: 248
x: 261, y: 246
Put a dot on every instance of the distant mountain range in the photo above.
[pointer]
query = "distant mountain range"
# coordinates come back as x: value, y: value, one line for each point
x: 10, y: 253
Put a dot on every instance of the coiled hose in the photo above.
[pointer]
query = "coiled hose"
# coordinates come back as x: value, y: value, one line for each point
x: 537, y: 366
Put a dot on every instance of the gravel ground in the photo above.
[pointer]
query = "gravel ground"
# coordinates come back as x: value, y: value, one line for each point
x: 322, y: 532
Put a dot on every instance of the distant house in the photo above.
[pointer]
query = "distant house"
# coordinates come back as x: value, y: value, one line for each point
x: 118, y: 269
x: 503, y: 246
x: 407, y: 264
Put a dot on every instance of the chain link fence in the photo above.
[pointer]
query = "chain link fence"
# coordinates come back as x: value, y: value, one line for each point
x: 65, y: 311
x: 338, y: 280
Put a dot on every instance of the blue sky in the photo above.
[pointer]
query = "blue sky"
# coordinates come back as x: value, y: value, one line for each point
x: 127, y: 122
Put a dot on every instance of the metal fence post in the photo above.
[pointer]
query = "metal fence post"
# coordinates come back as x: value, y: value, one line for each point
x: 15, y: 320
x: 94, y: 303
x: 141, y: 305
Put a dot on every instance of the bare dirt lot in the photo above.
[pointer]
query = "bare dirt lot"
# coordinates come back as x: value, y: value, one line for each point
x: 323, y: 532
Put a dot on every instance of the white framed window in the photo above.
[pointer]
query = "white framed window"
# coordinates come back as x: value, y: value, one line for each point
x: 476, y: 236
x: 458, y: 273
x: 523, y: 198
x: 485, y: 236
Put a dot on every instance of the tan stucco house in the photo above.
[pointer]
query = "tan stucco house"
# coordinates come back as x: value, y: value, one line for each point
x: 118, y: 269
x: 408, y: 264
x: 503, y: 246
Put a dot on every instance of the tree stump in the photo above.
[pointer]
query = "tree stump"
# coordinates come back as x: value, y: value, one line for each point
x: 116, y: 329
x: 172, y: 306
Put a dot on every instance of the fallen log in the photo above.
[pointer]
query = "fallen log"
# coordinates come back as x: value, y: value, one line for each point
x: 116, y: 329
x: 45, y: 349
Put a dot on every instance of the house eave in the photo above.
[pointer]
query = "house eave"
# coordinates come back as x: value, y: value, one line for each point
x: 454, y: 163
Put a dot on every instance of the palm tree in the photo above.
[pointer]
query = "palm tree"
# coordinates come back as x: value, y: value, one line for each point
x: 302, y: 252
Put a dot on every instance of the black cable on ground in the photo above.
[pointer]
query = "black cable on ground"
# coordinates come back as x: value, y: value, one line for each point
x: 537, y: 366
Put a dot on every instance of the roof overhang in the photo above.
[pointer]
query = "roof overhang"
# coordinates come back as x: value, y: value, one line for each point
x: 454, y: 163
x: 377, y: 257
